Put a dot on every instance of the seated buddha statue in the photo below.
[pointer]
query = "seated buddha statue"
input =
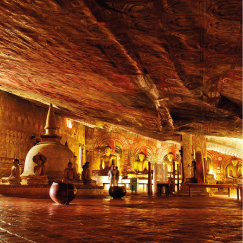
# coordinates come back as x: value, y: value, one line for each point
x: 86, y: 175
x: 240, y: 171
x: 39, y: 169
x: 69, y: 173
x: 39, y: 176
x: 107, y: 159
x: 14, y: 178
x: 141, y: 165
x: 231, y: 171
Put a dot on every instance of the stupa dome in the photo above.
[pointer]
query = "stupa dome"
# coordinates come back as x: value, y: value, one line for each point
x: 54, y: 154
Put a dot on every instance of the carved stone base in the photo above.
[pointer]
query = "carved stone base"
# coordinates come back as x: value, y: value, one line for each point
x: 4, y: 179
x: 191, y: 180
x: 210, y: 179
x: 100, y: 172
x: 14, y: 181
x: 197, y: 191
x: 90, y: 182
x: 75, y: 182
x: 37, y: 180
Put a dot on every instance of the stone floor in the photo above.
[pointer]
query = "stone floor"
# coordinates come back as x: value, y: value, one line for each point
x: 136, y: 218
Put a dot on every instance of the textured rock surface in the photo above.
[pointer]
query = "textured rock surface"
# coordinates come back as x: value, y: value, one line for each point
x: 157, y: 68
x: 136, y: 218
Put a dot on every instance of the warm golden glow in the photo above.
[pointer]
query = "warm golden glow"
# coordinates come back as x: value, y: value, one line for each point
x: 69, y: 123
x: 103, y: 165
x: 234, y: 161
x: 170, y: 156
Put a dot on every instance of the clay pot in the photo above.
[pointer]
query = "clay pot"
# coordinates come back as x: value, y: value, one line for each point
x: 62, y: 193
x: 117, y: 191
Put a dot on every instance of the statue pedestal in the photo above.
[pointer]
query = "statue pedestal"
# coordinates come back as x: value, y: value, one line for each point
x: 89, y: 182
x: 142, y: 176
x: 101, y: 176
x: 196, y: 191
x: 100, y: 172
x: 75, y: 182
x: 191, y: 180
x: 4, y: 179
x: 14, y: 181
x: 36, y: 180
x: 137, y: 175
x: 11, y: 180
x: 210, y: 179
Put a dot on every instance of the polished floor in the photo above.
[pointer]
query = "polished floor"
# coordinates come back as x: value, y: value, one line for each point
x: 136, y: 218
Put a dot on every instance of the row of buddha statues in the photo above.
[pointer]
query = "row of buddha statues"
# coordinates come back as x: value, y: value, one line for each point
x: 71, y: 176
x: 108, y: 159
x: 107, y: 162
x: 39, y: 177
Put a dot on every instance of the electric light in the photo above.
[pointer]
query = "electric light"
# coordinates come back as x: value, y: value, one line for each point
x: 69, y: 123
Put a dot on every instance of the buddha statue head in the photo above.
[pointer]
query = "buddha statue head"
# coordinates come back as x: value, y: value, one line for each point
x: 15, y: 162
x: 39, y: 159
x: 107, y: 150
x: 234, y: 161
x: 39, y: 162
x: 70, y: 164
x: 141, y: 156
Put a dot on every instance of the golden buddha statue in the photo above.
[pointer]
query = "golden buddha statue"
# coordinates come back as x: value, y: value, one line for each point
x: 231, y: 171
x: 107, y: 159
x: 141, y: 165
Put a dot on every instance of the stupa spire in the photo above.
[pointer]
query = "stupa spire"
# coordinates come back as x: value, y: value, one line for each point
x: 50, y: 122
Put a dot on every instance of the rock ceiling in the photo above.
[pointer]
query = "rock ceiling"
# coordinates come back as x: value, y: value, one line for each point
x: 230, y: 146
x: 154, y: 67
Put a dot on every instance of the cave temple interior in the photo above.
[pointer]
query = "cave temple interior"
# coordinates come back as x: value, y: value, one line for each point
x: 155, y: 85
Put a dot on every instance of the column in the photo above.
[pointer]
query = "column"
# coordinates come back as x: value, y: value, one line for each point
x: 155, y: 178
x: 187, y: 155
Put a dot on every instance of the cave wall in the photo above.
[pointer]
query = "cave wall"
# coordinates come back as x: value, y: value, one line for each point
x: 22, y: 120
x: 219, y: 162
x: 125, y: 146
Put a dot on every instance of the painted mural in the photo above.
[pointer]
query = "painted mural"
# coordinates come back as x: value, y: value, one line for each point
x: 22, y: 123
x: 126, y: 147
x: 225, y: 168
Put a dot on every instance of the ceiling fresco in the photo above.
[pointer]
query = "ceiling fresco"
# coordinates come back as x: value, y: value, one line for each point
x: 157, y: 68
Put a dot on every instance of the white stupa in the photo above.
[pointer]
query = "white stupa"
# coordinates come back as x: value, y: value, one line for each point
x: 57, y: 154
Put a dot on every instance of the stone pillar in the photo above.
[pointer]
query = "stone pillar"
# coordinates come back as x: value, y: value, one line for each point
x: 149, y: 179
x: 155, y: 178
x: 187, y: 155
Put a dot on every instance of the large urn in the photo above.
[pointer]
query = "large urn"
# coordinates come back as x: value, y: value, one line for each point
x: 62, y: 193
x: 117, y: 191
